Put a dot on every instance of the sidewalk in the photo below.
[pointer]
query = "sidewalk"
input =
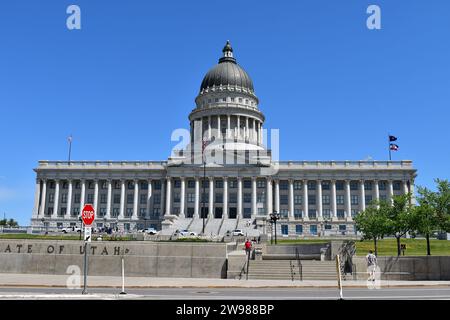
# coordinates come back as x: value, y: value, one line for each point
x: 45, y: 280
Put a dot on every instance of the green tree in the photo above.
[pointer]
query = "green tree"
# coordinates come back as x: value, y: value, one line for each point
x: 425, y: 221
x: 3, y: 222
x: 373, y: 222
x: 433, y: 212
x: 12, y: 223
x: 400, y: 217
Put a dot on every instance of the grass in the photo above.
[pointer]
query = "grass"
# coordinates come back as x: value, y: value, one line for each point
x: 414, y: 247
x: 387, y: 247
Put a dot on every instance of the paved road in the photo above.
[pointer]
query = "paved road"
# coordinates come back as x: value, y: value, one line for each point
x: 226, y: 293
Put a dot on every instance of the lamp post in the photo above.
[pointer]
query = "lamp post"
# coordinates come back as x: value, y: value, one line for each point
x: 81, y: 225
x: 271, y: 231
x: 43, y: 225
x: 274, y: 217
x: 203, y: 196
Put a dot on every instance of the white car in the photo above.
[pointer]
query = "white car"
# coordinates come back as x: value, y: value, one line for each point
x: 186, y: 232
x: 237, y: 232
x: 70, y: 229
x: 151, y: 231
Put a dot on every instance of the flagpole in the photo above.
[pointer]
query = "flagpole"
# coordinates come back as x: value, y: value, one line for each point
x: 70, y: 146
x: 389, y: 146
x: 204, y: 186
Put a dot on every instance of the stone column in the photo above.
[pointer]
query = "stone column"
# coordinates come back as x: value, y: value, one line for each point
x: 109, y: 200
x: 197, y: 197
x: 37, y: 193
x: 319, y: 200
x: 254, y: 209
x: 246, y: 129
x: 56, y: 200
x: 219, y: 134
x: 209, y: 128
x: 254, y: 135
x: 69, y: 200
x: 136, y: 200
x: 277, y: 195
x: 43, y: 197
x: 228, y: 131
x: 238, y: 136
x: 405, y: 186
x: 168, y: 195
x: 391, y: 191
x: 348, y: 204
x: 149, y: 198
x: 83, y: 192
x: 333, y: 200
x: 96, y: 196
x: 225, y: 198
x: 211, y: 197
x: 362, y: 195
x: 163, y: 196
x: 269, y: 195
x: 122, y: 199
x: 239, y: 197
x: 260, y: 133
x: 291, y: 198
x: 182, y: 197
x: 377, y: 191
x: 305, y: 200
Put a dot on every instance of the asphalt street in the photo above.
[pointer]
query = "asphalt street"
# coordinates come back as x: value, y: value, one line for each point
x: 227, y: 293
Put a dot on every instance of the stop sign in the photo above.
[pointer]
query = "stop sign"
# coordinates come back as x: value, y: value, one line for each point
x: 88, y: 214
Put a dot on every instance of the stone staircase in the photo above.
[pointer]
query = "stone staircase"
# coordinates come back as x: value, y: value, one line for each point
x: 281, y: 270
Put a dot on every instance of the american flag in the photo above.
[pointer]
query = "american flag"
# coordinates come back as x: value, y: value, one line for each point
x: 393, y: 146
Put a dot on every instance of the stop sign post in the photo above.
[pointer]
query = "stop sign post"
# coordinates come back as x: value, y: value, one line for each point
x: 88, y: 216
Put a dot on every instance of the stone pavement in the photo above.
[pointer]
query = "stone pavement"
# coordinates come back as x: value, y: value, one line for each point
x: 45, y: 280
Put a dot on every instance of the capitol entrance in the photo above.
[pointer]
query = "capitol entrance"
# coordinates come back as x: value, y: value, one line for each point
x: 218, y: 213
x: 233, y: 213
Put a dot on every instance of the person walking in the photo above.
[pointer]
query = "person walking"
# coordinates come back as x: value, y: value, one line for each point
x: 248, y: 246
x: 371, y: 260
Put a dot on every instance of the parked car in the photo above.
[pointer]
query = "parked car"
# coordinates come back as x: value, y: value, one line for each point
x: 186, y: 232
x: 151, y: 231
x: 237, y: 232
x: 71, y: 229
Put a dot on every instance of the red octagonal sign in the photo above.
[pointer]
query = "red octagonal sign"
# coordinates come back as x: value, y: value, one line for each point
x: 88, y: 214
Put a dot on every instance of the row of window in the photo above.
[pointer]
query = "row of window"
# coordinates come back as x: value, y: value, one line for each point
x: 247, y: 198
x: 312, y: 228
x: 232, y: 183
x: 229, y: 100
x: 102, y: 211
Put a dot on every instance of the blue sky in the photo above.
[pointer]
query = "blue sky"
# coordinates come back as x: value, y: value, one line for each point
x: 129, y: 77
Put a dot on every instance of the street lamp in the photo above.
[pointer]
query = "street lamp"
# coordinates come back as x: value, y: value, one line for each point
x: 81, y: 225
x: 273, y: 218
x: 104, y: 224
x: 43, y: 224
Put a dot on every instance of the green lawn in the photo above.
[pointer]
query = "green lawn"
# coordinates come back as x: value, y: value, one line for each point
x: 414, y: 247
x: 387, y: 247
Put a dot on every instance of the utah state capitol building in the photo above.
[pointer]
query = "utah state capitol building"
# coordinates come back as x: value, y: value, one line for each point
x: 243, y: 184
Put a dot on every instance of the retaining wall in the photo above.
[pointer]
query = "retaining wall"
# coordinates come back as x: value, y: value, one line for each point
x: 141, y: 258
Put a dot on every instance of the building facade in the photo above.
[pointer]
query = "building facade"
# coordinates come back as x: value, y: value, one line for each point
x: 225, y: 178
